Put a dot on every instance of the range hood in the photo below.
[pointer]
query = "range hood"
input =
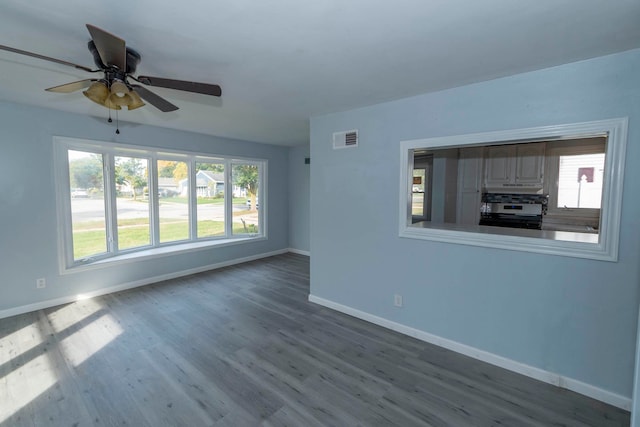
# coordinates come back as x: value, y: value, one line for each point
x: 519, y: 188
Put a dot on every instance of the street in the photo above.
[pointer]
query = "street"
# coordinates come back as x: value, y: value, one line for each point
x: 86, y: 210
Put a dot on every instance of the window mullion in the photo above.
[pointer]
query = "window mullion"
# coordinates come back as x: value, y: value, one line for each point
x: 228, y: 199
x: 262, y: 187
x: 192, y: 200
x: 66, y: 205
x: 153, y: 201
x: 110, y: 203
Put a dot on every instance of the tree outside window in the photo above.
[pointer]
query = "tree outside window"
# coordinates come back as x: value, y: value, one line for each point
x: 245, y: 178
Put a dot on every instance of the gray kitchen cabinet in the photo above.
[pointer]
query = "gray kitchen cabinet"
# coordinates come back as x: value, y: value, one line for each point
x: 469, y: 185
x: 514, y: 165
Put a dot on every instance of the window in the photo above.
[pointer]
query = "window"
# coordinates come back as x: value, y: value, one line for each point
x: 245, y: 187
x: 173, y: 210
x: 115, y: 199
x: 210, y: 184
x: 87, y: 204
x: 576, y: 176
x: 132, y: 202
x: 575, y: 169
x: 580, y: 181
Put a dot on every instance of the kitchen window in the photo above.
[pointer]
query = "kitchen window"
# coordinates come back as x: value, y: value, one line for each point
x: 119, y: 201
x: 576, y: 174
x: 573, y: 171
x: 581, y: 190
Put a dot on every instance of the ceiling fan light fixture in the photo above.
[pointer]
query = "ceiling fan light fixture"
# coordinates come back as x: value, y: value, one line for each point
x: 121, y: 101
x: 97, y: 92
x: 119, y: 93
x: 110, y: 105
x: 119, y: 88
x: 136, y: 101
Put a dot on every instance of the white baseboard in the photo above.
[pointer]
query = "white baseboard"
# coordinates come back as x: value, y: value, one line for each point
x: 299, y: 252
x: 494, y: 359
x: 130, y: 285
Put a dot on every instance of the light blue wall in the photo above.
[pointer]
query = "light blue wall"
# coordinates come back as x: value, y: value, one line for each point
x: 570, y: 316
x: 28, y: 223
x: 635, y: 408
x: 299, y: 177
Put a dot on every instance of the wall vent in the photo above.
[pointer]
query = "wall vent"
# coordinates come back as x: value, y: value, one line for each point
x: 346, y: 139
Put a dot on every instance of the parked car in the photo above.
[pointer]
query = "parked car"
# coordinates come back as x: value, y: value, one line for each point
x: 79, y: 193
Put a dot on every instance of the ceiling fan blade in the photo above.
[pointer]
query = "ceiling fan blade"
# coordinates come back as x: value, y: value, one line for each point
x: 111, y: 48
x: 195, y: 87
x: 72, y: 87
x: 46, y: 58
x: 153, y: 99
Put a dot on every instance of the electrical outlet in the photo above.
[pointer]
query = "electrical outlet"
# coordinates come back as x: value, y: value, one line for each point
x: 397, y: 300
x: 41, y: 283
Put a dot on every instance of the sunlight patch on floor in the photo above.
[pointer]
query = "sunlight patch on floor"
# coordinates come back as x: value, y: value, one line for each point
x: 24, y: 384
x: 19, y: 342
x: 89, y: 340
x: 71, y: 314
x: 26, y: 374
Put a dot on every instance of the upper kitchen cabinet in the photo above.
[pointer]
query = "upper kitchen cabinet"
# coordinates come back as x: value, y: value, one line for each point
x: 500, y: 167
x: 514, y: 165
x: 530, y: 163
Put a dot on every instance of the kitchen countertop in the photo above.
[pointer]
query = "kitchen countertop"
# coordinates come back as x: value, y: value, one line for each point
x: 568, y: 236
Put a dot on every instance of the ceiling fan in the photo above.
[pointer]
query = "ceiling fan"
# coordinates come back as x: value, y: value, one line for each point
x: 118, y: 63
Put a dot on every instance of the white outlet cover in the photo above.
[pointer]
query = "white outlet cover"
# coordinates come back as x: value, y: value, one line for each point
x: 397, y: 300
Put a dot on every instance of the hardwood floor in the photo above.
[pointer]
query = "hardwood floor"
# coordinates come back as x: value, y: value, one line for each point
x: 241, y: 346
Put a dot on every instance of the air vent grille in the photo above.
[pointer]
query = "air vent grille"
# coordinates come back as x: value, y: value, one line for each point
x: 351, y: 138
x: 346, y: 139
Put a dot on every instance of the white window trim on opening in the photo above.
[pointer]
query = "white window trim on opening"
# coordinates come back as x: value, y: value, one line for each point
x: 67, y: 264
x: 606, y: 248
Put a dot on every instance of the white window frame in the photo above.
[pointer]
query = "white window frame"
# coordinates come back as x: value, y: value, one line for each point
x: 109, y: 151
x: 606, y: 247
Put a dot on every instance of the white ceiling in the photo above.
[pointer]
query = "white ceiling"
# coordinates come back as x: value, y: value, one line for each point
x: 280, y: 62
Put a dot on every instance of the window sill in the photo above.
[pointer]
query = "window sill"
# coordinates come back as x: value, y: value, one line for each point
x: 157, y: 252
x: 564, y: 243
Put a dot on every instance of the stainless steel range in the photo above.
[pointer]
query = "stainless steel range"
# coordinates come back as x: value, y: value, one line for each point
x: 513, y: 210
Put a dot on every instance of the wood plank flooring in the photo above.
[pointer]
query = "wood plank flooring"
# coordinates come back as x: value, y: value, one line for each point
x: 242, y: 346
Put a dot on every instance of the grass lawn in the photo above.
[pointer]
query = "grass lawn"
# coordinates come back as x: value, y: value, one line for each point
x: 89, y: 238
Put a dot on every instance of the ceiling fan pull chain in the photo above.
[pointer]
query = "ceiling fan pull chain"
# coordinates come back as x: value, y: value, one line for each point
x: 117, y: 124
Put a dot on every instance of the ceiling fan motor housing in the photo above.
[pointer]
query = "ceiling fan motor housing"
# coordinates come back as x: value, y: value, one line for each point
x: 133, y: 59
